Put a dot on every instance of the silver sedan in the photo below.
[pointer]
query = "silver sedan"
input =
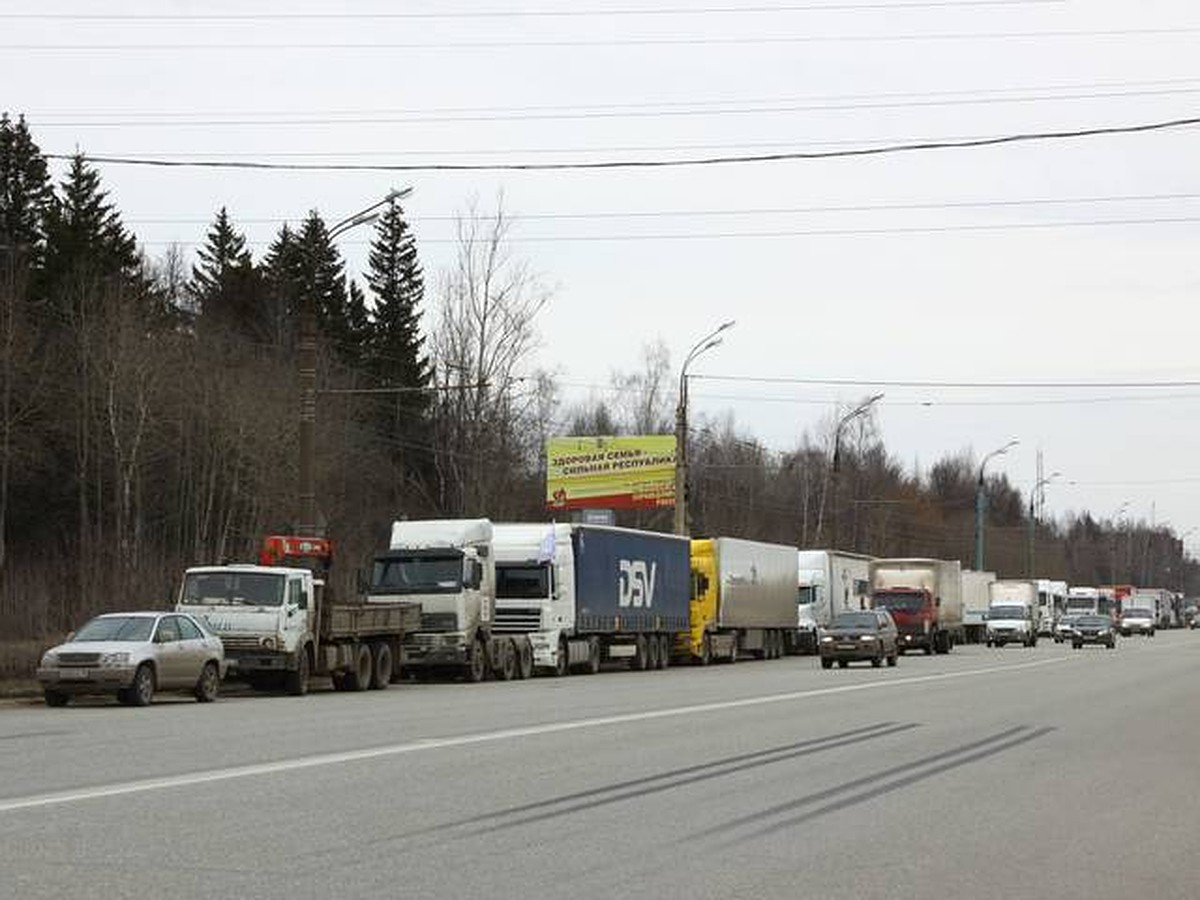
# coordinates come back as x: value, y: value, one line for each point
x: 134, y: 654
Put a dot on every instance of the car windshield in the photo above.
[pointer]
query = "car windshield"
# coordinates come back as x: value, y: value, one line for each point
x: 854, y: 620
x: 116, y: 628
x: 899, y: 601
x: 1006, y: 612
x: 233, y: 589
x: 1137, y: 614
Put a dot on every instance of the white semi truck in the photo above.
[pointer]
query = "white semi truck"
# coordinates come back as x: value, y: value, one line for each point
x: 447, y: 567
x: 828, y: 582
x: 587, y: 594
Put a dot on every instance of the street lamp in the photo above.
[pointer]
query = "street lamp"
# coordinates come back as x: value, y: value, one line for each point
x: 1040, y: 484
x: 981, y: 503
x: 681, y: 428
x: 306, y: 363
x: 835, y: 468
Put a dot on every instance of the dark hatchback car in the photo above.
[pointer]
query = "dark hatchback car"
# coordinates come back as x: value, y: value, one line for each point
x: 869, y: 635
x: 1094, y: 630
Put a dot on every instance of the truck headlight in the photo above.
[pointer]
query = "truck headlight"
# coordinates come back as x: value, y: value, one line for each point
x: 268, y: 643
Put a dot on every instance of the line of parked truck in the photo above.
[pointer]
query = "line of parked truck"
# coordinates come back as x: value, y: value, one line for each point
x: 470, y: 598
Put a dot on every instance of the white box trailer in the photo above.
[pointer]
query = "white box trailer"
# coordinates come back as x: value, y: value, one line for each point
x: 828, y: 582
x: 975, y: 600
x: 1052, y: 603
x: 1012, y: 613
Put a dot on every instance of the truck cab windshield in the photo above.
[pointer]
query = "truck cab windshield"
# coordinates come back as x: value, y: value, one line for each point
x: 233, y: 589
x: 1007, y: 612
x: 523, y: 582
x: 900, y: 601
x: 417, y: 575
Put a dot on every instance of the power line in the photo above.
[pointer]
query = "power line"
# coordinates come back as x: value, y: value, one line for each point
x: 1006, y: 385
x: 527, y: 13
x: 586, y: 43
x: 585, y: 114
x: 1026, y: 137
x: 763, y: 235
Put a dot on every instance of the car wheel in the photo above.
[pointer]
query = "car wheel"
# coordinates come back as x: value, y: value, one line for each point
x: 55, y: 698
x: 208, y: 683
x: 891, y: 660
x: 842, y: 663
x: 987, y: 643
x: 826, y: 662
x: 1077, y: 646
x: 142, y: 691
x: 877, y: 662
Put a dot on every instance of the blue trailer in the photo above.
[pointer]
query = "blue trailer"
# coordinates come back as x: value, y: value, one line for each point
x: 585, y: 594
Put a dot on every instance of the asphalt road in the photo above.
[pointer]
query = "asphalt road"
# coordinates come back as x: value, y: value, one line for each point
x: 1009, y: 773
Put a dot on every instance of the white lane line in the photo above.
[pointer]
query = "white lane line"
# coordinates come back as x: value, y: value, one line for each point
x: 348, y: 756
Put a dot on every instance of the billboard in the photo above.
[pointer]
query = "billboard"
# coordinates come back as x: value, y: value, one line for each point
x: 634, y: 472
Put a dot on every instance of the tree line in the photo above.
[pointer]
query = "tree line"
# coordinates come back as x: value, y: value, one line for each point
x: 149, y: 410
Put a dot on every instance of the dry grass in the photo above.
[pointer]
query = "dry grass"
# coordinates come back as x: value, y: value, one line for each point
x: 19, y: 659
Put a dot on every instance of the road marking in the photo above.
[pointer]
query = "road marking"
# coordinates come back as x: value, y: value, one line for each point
x: 167, y: 782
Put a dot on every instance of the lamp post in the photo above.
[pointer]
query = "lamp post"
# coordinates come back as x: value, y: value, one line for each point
x: 835, y: 468
x: 706, y: 343
x: 1040, y: 484
x: 981, y: 502
x: 306, y: 363
x: 1116, y: 517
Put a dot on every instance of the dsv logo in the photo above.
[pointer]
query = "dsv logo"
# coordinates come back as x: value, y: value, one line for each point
x: 637, y: 583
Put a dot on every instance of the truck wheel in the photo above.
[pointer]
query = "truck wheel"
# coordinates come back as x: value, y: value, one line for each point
x: 652, y: 652
x: 381, y: 671
x: 562, y: 667
x: 733, y: 650
x: 826, y: 662
x: 664, y: 651
x: 296, y: 681
x: 705, y: 651
x: 506, y: 665
x: 477, y: 664
x: 524, y: 660
x: 928, y: 648
x: 593, y: 663
x: 637, y: 662
x: 359, y: 676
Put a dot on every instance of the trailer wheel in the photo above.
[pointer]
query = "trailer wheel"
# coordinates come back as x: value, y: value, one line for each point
x: 593, y: 663
x: 524, y: 660
x: 664, y: 651
x: 652, y: 652
x: 381, y: 672
x: 637, y: 662
x: 733, y: 650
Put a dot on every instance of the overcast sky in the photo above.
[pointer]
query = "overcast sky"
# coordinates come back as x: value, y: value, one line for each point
x: 989, y: 265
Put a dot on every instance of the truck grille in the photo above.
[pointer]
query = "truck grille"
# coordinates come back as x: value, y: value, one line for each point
x: 517, y: 621
x: 240, y: 642
x: 441, y: 621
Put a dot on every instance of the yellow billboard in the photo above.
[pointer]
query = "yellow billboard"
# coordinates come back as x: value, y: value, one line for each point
x: 627, y: 472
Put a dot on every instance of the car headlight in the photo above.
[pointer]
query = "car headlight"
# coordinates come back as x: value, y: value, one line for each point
x: 49, y: 660
x: 866, y: 637
x: 827, y: 639
x: 120, y: 658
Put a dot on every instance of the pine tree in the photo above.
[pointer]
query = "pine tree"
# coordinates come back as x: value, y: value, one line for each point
x: 225, y: 286
x: 395, y: 357
x: 25, y: 193
x: 281, y: 271
x: 322, y: 272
